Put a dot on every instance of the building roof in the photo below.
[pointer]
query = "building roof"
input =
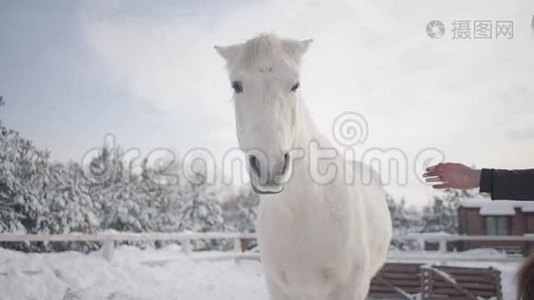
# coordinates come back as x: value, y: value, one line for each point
x: 497, y: 207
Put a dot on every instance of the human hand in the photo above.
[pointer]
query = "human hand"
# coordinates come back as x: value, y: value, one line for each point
x: 452, y: 175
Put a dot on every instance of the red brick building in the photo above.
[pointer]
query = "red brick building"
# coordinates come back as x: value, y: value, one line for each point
x: 481, y: 216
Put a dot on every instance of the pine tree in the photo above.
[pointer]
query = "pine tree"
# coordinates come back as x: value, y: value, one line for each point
x: 9, y: 185
x: 37, y: 196
x: 70, y: 209
x: 201, y: 210
x: 442, y: 215
x: 404, y: 220
x: 241, y: 210
x: 23, y: 181
x: 115, y: 192
x: 161, y: 201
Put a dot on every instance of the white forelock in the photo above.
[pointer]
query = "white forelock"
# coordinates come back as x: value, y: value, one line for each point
x: 263, y: 51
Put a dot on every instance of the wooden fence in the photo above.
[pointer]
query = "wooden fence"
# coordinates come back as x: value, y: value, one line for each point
x: 240, y: 243
x: 419, y: 281
x: 108, y: 240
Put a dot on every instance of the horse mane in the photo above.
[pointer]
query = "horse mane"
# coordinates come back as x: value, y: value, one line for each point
x: 525, y: 279
x: 263, y: 51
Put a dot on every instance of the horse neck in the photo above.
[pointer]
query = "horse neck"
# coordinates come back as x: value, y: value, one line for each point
x: 302, y: 194
x: 306, y: 130
x: 306, y: 133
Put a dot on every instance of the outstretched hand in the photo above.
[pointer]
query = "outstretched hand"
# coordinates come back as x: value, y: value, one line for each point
x: 452, y: 175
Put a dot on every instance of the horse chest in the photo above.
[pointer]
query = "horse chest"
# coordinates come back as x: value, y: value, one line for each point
x: 305, y: 255
x: 307, y: 238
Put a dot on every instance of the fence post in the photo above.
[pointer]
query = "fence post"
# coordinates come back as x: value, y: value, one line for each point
x: 426, y: 282
x: 237, y: 245
x: 186, y: 246
x: 442, y: 246
x: 244, y: 244
x: 237, y: 249
x: 108, y: 248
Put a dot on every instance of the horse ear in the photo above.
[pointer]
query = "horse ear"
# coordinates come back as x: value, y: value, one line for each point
x: 305, y: 44
x: 228, y: 52
x: 297, y: 48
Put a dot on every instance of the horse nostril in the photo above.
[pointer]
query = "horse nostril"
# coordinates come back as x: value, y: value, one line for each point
x: 286, y: 164
x: 254, y: 165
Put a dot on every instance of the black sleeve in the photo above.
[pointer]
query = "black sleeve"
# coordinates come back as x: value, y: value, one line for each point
x: 508, y: 184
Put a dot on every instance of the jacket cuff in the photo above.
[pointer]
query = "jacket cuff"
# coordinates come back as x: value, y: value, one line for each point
x: 486, y: 181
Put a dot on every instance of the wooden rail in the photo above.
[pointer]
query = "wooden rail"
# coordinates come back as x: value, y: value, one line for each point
x: 108, y: 239
x: 240, y: 240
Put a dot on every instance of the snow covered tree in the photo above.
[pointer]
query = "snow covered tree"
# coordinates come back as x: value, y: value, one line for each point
x: 241, y: 210
x: 23, y: 182
x: 162, y: 201
x: 70, y: 209
x: 10, y: 185
x: 114, y: 191
x: 442, y: 214
x: 201, y: 210
x: 405, y: 220
x: 37, y: 196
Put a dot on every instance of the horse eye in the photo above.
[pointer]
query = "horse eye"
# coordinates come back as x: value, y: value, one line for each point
x: 237, y: 86
x: 295, y: 87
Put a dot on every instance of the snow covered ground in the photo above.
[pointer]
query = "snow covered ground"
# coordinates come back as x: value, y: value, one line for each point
x: 73, y: 275
x: 76, y: 276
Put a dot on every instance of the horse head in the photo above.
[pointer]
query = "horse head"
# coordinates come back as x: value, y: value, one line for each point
x: 264, y: 74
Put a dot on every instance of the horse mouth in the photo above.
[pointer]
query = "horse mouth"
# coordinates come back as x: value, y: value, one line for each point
x: 266, y: 192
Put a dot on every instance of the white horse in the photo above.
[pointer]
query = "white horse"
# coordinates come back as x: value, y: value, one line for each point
x: 318, y: 241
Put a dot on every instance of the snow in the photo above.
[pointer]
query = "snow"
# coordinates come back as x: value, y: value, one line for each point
x: 435, y: 233
x: 72, y: 275
x: 484, y: 251
x: 527, y: 206
x: 475, y: 202
x: 444, y: 275
x: 497, y: 207
x: 152, y: 274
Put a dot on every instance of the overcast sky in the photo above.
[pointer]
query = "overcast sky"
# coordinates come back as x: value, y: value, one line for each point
x: 146, y: 72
